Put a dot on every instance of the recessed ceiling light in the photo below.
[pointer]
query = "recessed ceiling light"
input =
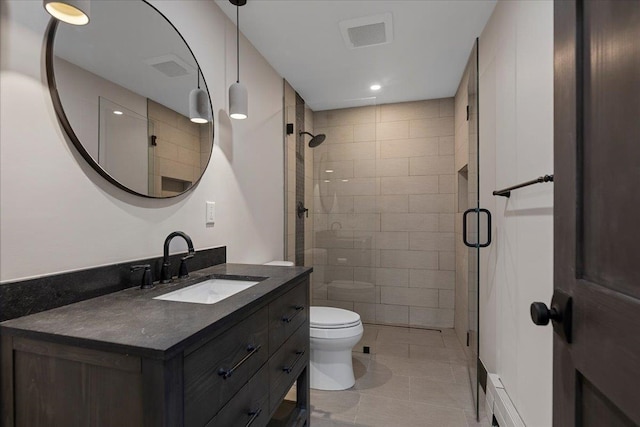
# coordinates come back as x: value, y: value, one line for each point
x: 375, y: 87
x: 329, y: 171
x: 345, y: 180
x: 118, y: 113
x: 326, y: 180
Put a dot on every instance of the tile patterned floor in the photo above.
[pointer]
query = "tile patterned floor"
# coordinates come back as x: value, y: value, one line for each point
x: 413, y: 377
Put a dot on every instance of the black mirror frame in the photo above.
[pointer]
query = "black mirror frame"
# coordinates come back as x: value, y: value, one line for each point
x: 66, y: 125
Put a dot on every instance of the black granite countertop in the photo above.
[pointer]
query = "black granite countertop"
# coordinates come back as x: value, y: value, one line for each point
x: 132, y: 322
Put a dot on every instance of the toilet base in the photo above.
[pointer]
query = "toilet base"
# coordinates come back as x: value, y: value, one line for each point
x: 332, y: 368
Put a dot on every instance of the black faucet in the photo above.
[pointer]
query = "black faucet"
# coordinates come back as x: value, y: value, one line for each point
x: 165, y: 275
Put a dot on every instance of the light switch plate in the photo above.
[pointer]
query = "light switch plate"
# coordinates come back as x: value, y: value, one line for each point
x: 211, y: 212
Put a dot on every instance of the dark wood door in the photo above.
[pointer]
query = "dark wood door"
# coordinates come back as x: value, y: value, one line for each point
x: 597, y: 212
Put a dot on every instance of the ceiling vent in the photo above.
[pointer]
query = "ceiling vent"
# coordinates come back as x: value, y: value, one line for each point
x: 170, y: 65
x: 367, y: 31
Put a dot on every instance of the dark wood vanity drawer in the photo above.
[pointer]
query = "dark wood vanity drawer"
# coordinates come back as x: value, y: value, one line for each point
x: 249, y: 407
x: 216, y: 371
x: 287, y: 363
x: 286, y: 314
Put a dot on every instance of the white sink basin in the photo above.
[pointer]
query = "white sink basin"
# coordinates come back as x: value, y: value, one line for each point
x: 208, y: 292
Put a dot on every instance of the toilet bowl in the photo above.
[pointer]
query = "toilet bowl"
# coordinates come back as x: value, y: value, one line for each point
x: 333, y: 334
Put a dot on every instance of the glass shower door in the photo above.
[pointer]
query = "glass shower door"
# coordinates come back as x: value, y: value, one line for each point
x: 476, y: 223
x: 472, y: 222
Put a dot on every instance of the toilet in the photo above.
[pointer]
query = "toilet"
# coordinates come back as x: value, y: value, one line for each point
x: 333, y: 334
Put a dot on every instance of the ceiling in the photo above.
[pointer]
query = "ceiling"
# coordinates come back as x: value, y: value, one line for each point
x: 301, y: 39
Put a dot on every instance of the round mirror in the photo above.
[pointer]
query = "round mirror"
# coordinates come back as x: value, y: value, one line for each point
x: 129, y: 93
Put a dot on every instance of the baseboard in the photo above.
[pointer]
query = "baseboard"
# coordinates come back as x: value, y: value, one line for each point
x: 499, y: 405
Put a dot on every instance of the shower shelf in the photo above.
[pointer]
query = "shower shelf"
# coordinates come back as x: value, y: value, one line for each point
x: 506, y: 192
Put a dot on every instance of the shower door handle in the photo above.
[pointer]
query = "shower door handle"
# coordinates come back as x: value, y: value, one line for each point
x: 302, y: 210
x: 464, y: 228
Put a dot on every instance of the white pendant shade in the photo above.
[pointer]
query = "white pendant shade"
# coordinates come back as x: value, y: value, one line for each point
x: 238, y: 101
x: 238, y: 96
x: 199, y: 106
x: 74, y: 12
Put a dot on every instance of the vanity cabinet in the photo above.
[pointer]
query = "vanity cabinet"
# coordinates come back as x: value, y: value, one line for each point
x: 215, y: 372
x: 235, y: 375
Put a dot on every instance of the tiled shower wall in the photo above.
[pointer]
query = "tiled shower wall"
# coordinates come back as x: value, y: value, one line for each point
x: 290, y: 173
x: 182, y: 149
x: 295, y: 174
x: 308, y: 188
x: 384, y: 212
x: 300, y: 219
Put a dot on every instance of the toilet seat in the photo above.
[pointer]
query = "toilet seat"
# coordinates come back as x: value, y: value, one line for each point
x: 340, y: 326
x: 333, y: 323
x: 336, y: 334
x: 332, y: 318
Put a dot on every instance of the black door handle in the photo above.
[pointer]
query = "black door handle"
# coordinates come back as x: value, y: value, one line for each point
x: 559, y: 314
x: 302, y: 210
x: 541, y: 314
x: 464, y: 228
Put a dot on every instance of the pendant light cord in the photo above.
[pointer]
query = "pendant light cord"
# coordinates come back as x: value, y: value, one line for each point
x: 198, y: 77
x: 238, y: 42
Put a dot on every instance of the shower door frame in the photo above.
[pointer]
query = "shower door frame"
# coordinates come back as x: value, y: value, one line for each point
x: 472, y: 228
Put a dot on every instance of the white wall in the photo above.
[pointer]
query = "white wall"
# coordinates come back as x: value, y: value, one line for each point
x: 57, y: 214
x: 516, y: 144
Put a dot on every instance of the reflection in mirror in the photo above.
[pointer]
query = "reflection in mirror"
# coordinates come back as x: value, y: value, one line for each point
x: 121, y: 86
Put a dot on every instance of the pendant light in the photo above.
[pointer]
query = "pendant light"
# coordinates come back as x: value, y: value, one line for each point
x: 74, y: 12
x: 238, y: 96
x: 198, y: 104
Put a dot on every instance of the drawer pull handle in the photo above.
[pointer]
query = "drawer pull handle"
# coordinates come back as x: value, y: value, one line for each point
x: 288, y: 369
x: 253, y: 414
x: 226, y: 373
x: 288, y: 319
